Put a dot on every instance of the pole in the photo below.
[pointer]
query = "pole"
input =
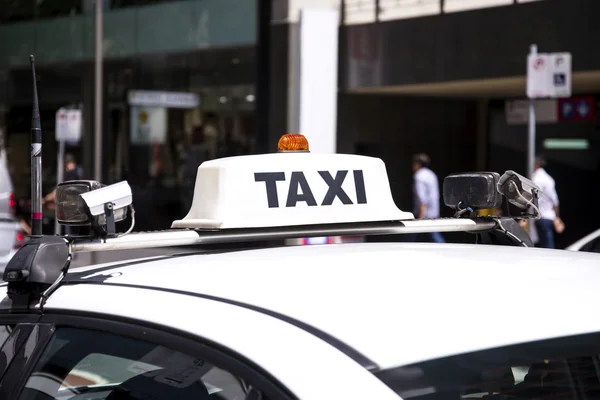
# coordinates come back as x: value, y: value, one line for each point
x: 263, y: 77
x: 98, y: 101
x: 531, y: 139
x: 59, y: 175
x: 531, y: 136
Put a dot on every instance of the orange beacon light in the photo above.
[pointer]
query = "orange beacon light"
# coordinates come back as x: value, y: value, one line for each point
x: 292, y: 142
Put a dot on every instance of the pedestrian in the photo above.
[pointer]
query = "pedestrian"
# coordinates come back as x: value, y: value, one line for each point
x: 550, y: 221
x: 426, y: 192
x: 72, y: 172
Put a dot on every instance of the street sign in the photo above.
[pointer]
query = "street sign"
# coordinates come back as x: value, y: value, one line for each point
x: 582, y: 108
x: 150, y: 98
x: 148, y: 125
x: 68, y: 125
x: 549, y: 75
x: 517, y: 111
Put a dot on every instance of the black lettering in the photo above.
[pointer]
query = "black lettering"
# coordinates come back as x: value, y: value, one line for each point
x: 359, y: 184
x: 335, y: 188
x: 298, y: 181
x: 270, y: 179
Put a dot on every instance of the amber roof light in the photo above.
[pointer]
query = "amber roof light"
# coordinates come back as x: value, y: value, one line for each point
x: 292, y: 142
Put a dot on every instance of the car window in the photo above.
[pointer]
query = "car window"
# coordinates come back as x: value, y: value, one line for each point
x: 566, y: 368
x: 592, y: 246
x: 83, y: 364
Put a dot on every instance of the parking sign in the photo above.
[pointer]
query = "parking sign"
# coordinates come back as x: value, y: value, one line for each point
x: 549, y: 75
x: 68, y: 125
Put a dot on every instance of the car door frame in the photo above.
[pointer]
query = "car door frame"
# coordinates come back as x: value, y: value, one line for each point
x: 159, y: 335
x: 22, y: 350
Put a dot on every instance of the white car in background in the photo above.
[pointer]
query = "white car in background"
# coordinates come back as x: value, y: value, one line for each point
x: 589, y: 243
x: 11, y: 234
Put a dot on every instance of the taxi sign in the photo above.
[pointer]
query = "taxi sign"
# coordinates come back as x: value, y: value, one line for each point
x: 290, y: 189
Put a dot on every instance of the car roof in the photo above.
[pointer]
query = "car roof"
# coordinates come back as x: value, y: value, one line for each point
x: 394, y: 303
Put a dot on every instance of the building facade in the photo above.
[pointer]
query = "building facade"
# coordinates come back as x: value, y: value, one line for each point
x: 447, y: 77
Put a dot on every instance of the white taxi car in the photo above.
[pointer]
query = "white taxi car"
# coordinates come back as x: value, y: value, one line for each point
x: 342, y: 321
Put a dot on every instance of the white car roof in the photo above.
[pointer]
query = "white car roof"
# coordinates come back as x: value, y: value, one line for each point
x: 394, y: 303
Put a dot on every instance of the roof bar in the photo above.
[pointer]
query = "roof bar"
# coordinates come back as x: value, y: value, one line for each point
x: 186, y: 237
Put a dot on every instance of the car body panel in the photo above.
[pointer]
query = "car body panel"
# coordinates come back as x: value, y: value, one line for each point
x: 395, y: 303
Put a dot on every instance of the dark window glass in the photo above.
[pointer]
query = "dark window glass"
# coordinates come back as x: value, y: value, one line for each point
x: 136, y: 3
x: 16, y: 11
x: 565, y: 368
x: 10, y: 346
x: 58, y: 8
x: 592, y: 247
x: 86, y: 364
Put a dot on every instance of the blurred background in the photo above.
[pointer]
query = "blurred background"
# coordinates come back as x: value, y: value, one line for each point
x: 387, y: 78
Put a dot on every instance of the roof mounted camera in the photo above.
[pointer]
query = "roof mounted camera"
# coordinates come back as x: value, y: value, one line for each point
x: 469, y: 192
x: 89, y: 203
x: 108, y: 205
x: 520, y: 192
x: 472, y: 191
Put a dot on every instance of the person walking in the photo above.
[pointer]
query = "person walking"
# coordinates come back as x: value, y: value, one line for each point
x: 550, y: 221
x: 72, y: 172
x: 426, y: 192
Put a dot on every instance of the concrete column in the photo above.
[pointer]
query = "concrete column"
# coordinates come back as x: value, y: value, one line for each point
x: 87, y: 137
x: 483, y: 134
x: 285, y: 66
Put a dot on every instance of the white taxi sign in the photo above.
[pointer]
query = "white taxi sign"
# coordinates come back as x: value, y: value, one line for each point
x: 290, y: 189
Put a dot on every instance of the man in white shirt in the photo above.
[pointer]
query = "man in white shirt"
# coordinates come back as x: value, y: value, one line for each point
x: 548, y: 205
x: 426, y: 192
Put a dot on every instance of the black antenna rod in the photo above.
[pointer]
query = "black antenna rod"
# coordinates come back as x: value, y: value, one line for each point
x: 36, y: 160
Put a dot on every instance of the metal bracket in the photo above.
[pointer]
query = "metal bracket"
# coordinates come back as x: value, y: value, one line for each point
x: 507, y: 232
x: 110, y: 219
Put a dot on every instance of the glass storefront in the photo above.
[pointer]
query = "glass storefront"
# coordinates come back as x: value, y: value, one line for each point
x: 162, y: 169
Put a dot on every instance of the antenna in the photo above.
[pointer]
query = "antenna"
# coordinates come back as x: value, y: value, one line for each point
x: 36, y: 160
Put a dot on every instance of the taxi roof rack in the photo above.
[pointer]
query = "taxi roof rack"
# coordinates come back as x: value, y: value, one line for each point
x: 39, y: 267
x: 193, y: 237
